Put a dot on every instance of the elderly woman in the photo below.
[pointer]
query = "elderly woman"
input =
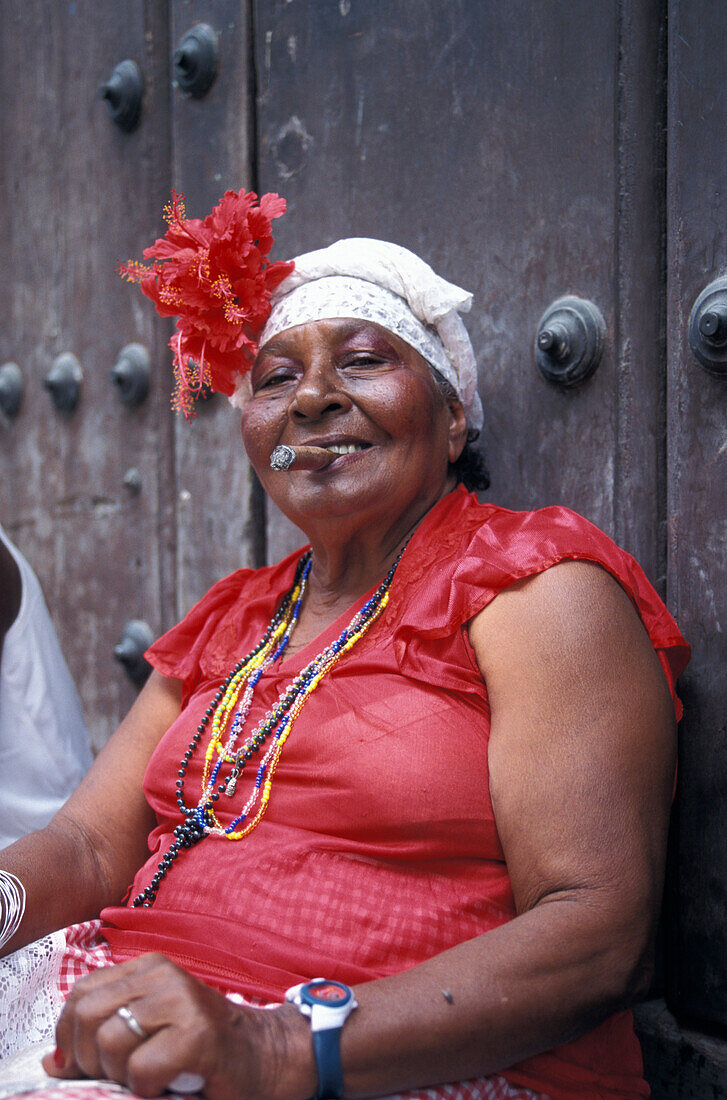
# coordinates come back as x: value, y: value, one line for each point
x: 429, y: 757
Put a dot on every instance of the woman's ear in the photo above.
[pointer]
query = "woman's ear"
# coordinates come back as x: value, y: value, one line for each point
x: 457, y: 430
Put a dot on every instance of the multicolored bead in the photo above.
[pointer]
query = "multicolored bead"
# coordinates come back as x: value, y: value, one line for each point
x: 228, y: 713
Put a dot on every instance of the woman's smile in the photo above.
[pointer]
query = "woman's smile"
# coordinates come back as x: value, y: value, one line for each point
x: 342, y: 461
x: 354, y: 388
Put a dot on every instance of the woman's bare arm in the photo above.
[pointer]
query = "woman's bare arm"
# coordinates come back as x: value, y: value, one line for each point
x: 581, y: 760
x: 581, y: 768
x: 87, y: 855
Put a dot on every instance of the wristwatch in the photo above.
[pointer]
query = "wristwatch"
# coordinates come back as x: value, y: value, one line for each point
x: 328, y: 1005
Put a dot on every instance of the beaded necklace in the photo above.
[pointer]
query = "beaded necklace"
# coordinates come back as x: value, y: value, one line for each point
x: 228, y: 711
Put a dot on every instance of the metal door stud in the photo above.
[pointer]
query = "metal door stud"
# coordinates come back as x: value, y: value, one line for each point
x: 129, y: 651
x: 63, y: 381
x: 708, y: 328
x: 123, y: 92
x: 11, y: 389
x: 195, y: 60
x: 130, y: 374
x: 569, y: 341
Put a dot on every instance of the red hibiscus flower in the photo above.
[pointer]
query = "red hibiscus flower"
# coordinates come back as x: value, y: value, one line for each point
x: 215, y: 278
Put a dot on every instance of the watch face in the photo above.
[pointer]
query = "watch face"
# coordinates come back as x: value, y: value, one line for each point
x: 327, y: 993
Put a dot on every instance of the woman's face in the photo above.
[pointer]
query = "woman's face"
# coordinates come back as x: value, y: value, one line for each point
x: 353, y: 385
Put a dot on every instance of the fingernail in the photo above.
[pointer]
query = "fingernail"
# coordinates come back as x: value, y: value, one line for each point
x: 59, y: 1058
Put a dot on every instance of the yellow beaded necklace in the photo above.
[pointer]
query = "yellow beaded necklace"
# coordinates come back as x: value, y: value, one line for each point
x: 228, y: 712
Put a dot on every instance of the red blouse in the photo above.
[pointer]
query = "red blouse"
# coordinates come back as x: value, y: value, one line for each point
x: 379, y: 847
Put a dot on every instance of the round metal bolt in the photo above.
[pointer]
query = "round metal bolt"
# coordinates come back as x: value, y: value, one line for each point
x: 123, y: 93
x: 183, y: 60
x: 708, y: 328
x: 130, y: 374
x: 554, y: 340
x: 713, y: 325
x: 195, y: 60
x: 132, y: 481
x: 569, y: 341
x: 709, y: 324
x: 129, y: 651
x: 11, y: 389
x: 63, y: 381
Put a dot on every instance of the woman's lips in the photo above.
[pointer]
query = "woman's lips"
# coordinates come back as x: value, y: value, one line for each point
x: 346, y: 448
x: 314, y: 457
x: 346, y: 457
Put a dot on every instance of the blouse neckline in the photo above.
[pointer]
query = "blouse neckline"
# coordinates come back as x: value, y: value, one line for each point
x: 298, y: 660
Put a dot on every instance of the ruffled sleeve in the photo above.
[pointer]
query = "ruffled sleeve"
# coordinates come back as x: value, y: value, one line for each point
x: 179, y: 652
x: 478, y: 550
x: 225, y: 624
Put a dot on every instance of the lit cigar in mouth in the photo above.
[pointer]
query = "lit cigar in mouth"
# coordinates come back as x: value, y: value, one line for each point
x: 301, y: 458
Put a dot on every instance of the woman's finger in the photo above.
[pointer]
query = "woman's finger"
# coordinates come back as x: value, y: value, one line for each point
x: 94, y: 1001
x: 104, y: 1036
x: 149, y: 1023
x: 116, y: 1041
x: 153, y: 1065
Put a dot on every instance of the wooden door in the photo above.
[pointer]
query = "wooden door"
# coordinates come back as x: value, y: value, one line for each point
x: 513, y: 146
x: 697, y: 508
x: 523, y: 150
x: 218, y: 499
x: 85, y: 196
x: 79, y: 196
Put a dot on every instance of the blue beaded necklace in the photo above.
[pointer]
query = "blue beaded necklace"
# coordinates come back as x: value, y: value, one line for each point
x: 228, y: 711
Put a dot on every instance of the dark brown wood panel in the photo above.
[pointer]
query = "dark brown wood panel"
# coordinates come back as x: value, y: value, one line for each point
x: 212, y: 153
x: 79, y: 197
x: 487, y: 137
x: 639, y: 286
x: 697, y: 503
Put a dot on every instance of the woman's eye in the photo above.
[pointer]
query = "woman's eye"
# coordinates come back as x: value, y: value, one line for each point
x: 363, y: 359
x: 276, y: 378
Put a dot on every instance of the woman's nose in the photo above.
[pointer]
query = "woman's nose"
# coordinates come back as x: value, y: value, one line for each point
x: 317, y: 394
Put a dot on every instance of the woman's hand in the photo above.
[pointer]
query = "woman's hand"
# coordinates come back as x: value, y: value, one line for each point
x: 186, y: 1028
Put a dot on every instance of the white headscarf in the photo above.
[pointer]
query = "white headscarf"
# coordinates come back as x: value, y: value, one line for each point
x: 391, y: 286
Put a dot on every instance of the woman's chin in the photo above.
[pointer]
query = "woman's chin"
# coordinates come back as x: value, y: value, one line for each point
x: 333, y: 513
x: 309, y: 507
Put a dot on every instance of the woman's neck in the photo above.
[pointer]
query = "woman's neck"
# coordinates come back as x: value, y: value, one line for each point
x: 349, y: 558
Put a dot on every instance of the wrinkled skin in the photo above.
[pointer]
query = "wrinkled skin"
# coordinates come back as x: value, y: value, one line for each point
x: 191, y: 1028
x: 352, y: 381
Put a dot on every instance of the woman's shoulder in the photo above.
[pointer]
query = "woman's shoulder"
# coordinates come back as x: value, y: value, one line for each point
x: 520, y: 538
x: 466, y: 553
x: 215, y: 631
x: 463, y: 539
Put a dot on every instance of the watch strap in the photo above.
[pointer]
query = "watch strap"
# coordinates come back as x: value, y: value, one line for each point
x: 327, y: 1050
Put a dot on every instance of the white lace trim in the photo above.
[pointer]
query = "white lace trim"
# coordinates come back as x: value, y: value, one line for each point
x: 342, y: 296
x: 22, y: 1071
x: 387, y: 284
x: 30, y: 998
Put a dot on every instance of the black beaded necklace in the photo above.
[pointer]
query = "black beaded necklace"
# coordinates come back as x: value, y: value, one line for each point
x: 200, y: 820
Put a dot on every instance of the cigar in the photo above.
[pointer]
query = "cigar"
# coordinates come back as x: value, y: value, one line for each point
x: 300, y: 458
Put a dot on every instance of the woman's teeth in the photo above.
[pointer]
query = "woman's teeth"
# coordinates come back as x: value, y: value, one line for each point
x: 344, y: 448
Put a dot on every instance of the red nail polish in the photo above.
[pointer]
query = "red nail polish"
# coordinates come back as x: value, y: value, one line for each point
x: 59, y: 1058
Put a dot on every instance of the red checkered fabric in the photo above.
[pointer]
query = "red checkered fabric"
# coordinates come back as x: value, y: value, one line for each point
x: 86, y: 950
